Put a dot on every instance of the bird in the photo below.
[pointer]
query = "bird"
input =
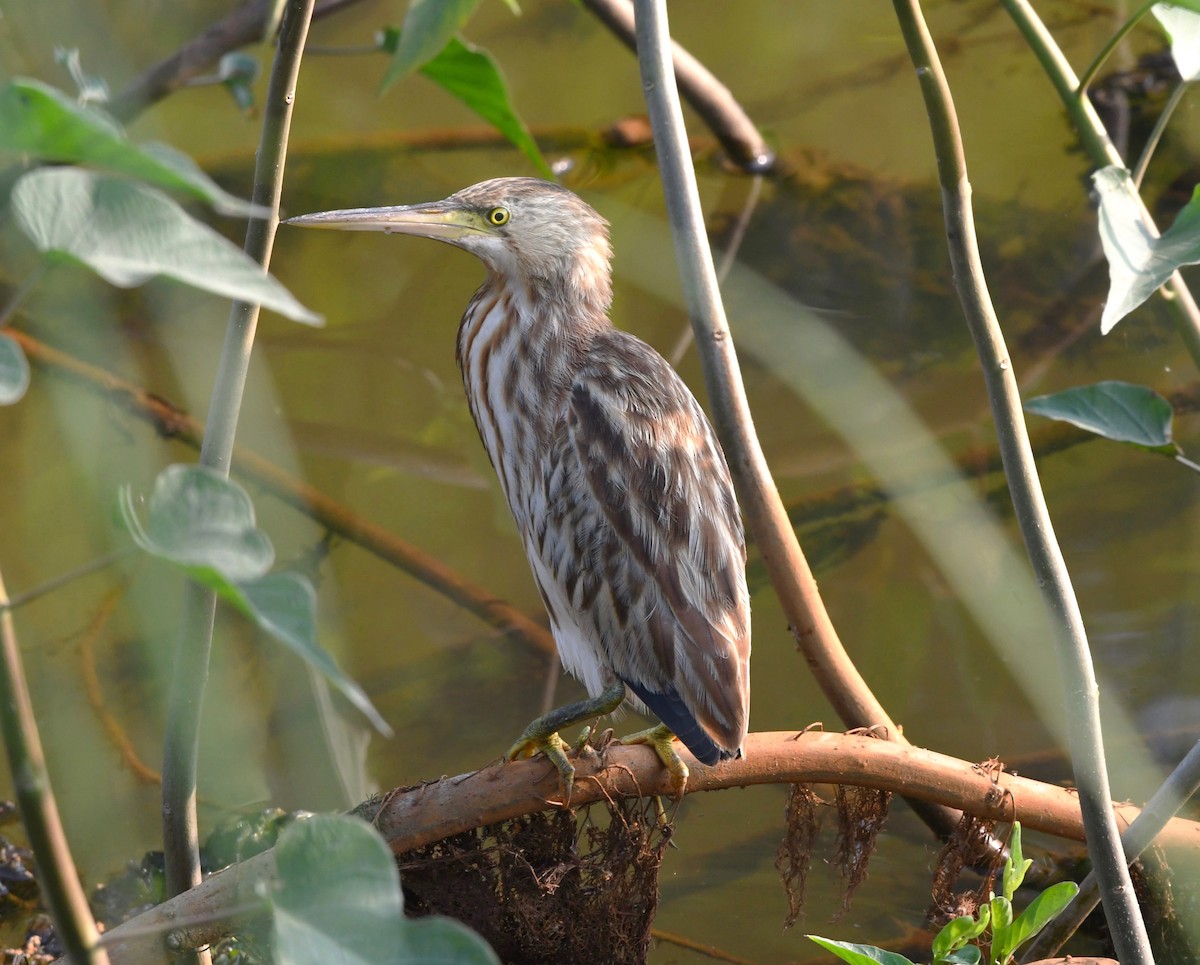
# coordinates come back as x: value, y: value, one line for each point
x: 616, y: 481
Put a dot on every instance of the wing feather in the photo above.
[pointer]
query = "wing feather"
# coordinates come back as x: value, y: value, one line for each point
x: 668, y: 548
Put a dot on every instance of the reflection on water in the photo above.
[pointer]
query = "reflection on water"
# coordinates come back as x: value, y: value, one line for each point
x: 927, y: 589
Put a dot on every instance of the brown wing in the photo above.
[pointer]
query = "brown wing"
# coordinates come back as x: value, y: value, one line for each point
x: 673, y: 545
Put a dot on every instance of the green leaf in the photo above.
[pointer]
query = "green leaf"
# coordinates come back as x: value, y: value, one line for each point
x: 285, y: 606
x: 954, y: 934
x: 40, y: 120
x: 443, y: 941
x: 200, y: 520
x: 428, y: 27
x: 127, y: 233
x: 1016, y: 865
x: 203, y: 523
x: 471, y: 75
x: 14, y: 371
x: 963, y: 956
x: 1039, y: 913
x: 1002, y: 916
x: 1120, y: 411
x: 338, y: 899
x: 860, y: 954
x: 238, y: 71
x: 1183, y: 27
x: 1139, y: 263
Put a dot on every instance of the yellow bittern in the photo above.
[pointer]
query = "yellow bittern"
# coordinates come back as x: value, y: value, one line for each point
x: 615, y: 479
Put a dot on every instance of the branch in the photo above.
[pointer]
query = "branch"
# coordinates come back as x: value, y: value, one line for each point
x: 56, y: 873
x: 711, y: 99
x: 1167, y: 801
x: 413, y: 817
x: 182, y: 739
x: 243, y: 26
x: 1079, y: 679
x: 173, y: 423
x: 765, y: 513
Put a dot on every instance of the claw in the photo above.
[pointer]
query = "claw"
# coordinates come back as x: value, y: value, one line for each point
x: 554, y: 748
x: 663, y: 742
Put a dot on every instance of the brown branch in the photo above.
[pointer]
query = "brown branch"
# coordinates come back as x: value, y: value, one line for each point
x: 412, y: 817
x: 173, y: 423
x: 95, y: 692
x: 708, y: 97
x: 243, y: 26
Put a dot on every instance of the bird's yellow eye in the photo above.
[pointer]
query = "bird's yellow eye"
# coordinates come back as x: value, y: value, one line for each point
x: 498, y: 216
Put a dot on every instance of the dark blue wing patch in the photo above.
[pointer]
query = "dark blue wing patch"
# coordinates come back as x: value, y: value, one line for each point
x: 670, y: 709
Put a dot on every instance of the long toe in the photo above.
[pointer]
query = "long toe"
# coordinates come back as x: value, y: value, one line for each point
x: 554, y: 748
x: 663, y: 742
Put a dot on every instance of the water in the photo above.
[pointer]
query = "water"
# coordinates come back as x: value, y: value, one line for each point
x: 858, y: 367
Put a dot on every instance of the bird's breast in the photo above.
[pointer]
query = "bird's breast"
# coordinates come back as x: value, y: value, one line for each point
x: 517, y: 392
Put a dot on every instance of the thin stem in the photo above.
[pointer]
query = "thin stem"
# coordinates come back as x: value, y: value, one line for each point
x: 1113, y: 41
x: 765, y: 513
x: 736, y: 237
x: 1139, y: 170
x: 1033, y: 518
x: 1100, y: 150
x: 182, y: 743
x: 21, y: 293
x: 57, y: 877
x: 1185, y: 461
x: 1168, y: 800
x: 58, y: 582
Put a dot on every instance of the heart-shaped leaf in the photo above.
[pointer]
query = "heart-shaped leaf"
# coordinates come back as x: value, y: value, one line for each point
x: 1120, y: 411
x: 338, y: 899
x: 127, y: 233
x: 1138, y: 262
x: 39, y: 120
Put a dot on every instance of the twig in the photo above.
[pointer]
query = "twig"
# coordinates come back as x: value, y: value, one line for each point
x: 242, y: 26
x: 1113, y: 42
x: 1100, y: 150
x: 1160, y: 125
x: 711, y: 99
x: 173, y: 423
x: 57, y: 875
x: 728, y: 257
x: 1037, y: 530
x: 414, y: 817
x: 95, y: 693
x: 1167, y: 801
x: 182, y: 740
x: 765, y: 514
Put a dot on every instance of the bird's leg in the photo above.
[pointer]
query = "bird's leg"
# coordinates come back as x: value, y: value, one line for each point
x: 541, y: 736
x: 662, y: 740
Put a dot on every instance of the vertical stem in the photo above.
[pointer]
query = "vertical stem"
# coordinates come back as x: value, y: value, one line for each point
x: 1100, y: 150
x: 1037, y: 530
x: 182, y: 743
x: 57, y: 876
x: 765, y: 514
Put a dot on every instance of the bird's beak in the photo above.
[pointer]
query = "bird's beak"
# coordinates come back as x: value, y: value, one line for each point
x: 441, y: 220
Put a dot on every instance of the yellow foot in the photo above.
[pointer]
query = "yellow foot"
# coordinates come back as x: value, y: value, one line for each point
x: 663, y: 742
x: 555, y: 750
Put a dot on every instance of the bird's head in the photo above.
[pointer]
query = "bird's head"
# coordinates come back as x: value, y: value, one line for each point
x: 528, y: 232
